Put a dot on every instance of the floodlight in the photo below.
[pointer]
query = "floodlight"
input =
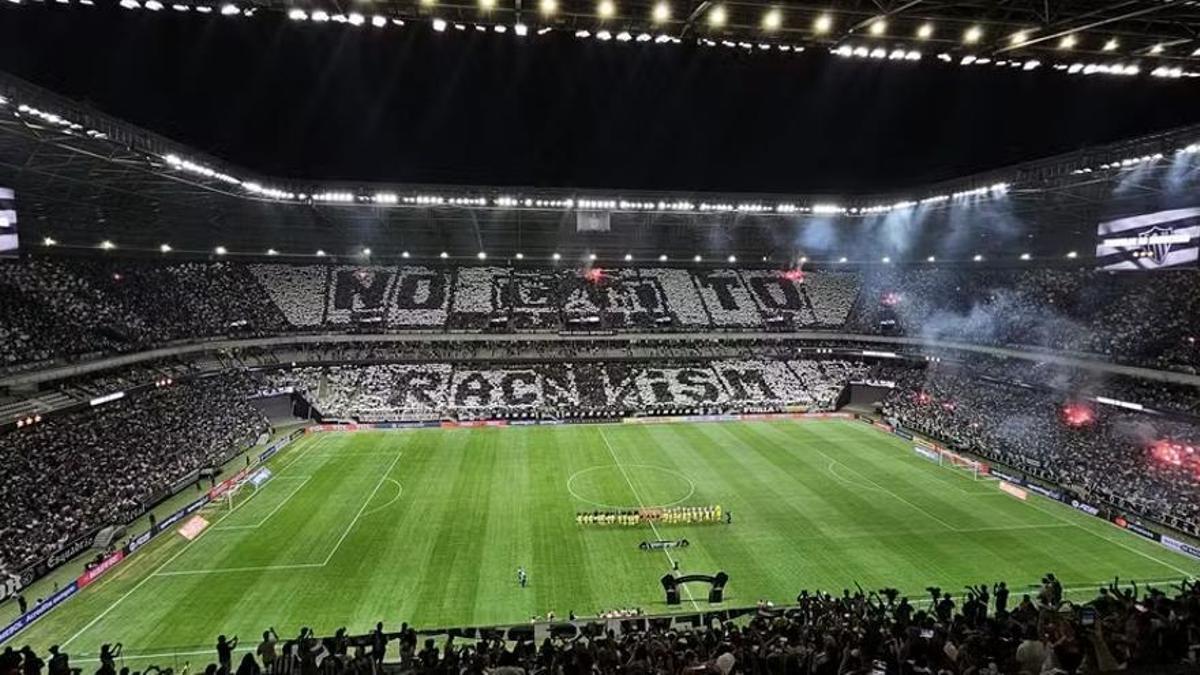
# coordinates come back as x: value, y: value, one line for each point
x: 717, y: 16
x: 773, y: 19
x: 661, y: 13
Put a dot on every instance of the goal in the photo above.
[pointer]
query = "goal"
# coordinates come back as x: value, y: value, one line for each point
x: 975, y: 469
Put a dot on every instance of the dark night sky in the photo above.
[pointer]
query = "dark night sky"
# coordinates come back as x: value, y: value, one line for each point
x: 408, y: 104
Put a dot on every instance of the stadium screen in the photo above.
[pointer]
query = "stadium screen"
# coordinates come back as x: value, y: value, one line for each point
x: 8, y: 223
x: 1149, y: 241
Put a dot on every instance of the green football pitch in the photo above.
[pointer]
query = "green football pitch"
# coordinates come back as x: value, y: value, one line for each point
x: 429, y: 526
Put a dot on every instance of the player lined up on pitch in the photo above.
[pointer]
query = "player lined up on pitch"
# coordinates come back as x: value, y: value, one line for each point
x: 686, y: 515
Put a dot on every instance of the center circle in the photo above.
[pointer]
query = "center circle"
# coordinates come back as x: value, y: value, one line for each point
x: 654, y: 486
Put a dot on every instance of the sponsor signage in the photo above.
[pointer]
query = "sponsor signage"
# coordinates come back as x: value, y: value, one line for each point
x: 99, y: 570
x: 926, y: 453
x: 1014, y: 490
x: 1122, y: 522
x: 228, y: 484
x: 259, y: 477
x: 24, y: 621
x: 193, y: 527
x: 1086, y: 508
x: 1015, y: 480
x: 1180, y: 546
x: 1044, y: 491
x: 10, y: 587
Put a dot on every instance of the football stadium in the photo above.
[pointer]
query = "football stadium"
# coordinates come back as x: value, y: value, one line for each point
x: 449, y: 336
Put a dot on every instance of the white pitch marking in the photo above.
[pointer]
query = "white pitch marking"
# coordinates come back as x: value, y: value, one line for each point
x: 399, y: 491
x: 642, y: 504
x: 163, y: 566
x: 362, y: 508
x: 275, y: 510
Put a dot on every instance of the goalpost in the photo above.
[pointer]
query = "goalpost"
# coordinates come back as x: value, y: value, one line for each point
x: 975, y: 469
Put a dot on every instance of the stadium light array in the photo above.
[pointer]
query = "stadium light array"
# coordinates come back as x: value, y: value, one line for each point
x: 973, y: 35
x: 443, y: 255
x: 773, y: 19
x: 628, y: 257
x: 482, y: 255
x: 925, y: 31
x: 220, y: 250
x: 822, y: 24
x: 606, y: 9
x: 1072, y: 255
x: 272, y: 251
x: 520, y: 256
x: 977, y: 258
x: 49, y: 241
x: 548, y: 7
x: 717, y: 16
x: 931, y: 259
x: 1111, y: 45
x: 661, y: 12
x: 1068, y: 41
x: 556, y: 257
x: 878, y: 27
x: 164, y: 248
x: 320, y: 253
x: 107, y: 245
x: 1025, y: 256
x: 662, y: 257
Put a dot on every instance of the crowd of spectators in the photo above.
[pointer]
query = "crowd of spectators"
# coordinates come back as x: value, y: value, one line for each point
x: 55, y: 308
x: 1105, y: 454
x: 1147, y: 319
x: 986, y: 630
x: 70, y: 474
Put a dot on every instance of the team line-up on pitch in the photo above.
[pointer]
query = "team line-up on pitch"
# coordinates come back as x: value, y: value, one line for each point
x: 689, y: 515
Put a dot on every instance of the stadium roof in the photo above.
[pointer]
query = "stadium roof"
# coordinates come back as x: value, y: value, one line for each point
x: 1163, y: 30
x: 83, y: 178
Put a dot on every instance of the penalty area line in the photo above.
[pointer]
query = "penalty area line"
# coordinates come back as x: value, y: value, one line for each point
x: 170, y: 560
x: 363, y: 508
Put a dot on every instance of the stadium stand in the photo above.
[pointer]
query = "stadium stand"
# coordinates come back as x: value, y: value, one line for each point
x: 93, y: 307
x: 1105, y: 459
x: 72, y: 474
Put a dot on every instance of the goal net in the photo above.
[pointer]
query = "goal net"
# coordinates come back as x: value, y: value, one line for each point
x: 972, y: 468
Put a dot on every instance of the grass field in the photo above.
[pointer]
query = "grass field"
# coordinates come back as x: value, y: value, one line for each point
x: 429, y: 527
